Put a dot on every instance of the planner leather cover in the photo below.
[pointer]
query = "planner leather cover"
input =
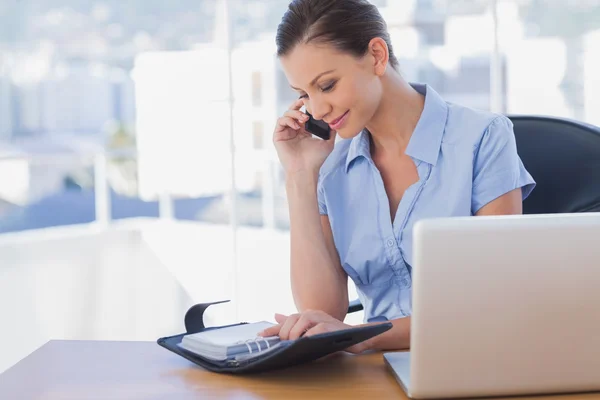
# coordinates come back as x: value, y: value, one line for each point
x: 289, y: 353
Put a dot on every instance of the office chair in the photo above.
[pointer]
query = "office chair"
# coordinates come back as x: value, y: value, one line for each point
x: 563, y: 156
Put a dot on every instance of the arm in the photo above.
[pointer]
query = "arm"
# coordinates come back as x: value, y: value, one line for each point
x: 397, y: 338
x: 500, y: 180
x: 317, y: 278
x: 314, y: 322
x: 507, y: 204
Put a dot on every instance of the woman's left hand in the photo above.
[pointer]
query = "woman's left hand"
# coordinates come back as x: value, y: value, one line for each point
x: 306, y: 324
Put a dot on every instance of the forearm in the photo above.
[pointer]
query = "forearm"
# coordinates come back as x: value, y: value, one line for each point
x: 317, y: 283
x: 397, y: 338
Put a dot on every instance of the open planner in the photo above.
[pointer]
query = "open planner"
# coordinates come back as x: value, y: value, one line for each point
x: 238, y: 348
x: 238, y: 342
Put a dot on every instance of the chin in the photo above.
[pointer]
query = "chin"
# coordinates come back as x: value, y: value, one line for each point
x: 349, y: 132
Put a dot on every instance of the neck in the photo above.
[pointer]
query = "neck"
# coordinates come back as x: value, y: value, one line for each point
x: 397, y: 116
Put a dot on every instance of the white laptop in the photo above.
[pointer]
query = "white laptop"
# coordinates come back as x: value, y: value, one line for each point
x: 503, y: 306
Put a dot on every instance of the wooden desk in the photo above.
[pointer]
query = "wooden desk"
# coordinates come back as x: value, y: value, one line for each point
x: 78, y: 370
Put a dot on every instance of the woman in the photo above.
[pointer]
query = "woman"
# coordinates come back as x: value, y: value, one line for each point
x: 405, y: 155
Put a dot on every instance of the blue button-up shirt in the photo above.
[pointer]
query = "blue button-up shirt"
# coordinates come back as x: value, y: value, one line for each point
x: 465, y: 159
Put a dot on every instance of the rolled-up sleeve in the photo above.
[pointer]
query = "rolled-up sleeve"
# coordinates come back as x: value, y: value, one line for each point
x: 497, y: 167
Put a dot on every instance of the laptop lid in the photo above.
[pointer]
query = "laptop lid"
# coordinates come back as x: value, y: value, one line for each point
x: 506, y: 305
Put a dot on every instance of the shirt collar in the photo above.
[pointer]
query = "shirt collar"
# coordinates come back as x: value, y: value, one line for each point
x: 360, y: 146
x: 426, y: 140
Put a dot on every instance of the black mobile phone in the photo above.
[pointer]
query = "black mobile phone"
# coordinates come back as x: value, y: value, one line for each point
x: 317, y: 127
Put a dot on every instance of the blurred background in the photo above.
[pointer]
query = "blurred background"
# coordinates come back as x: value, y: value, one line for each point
x: 137, y: 175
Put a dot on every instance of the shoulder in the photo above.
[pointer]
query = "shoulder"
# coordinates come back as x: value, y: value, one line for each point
x: 470, y: 126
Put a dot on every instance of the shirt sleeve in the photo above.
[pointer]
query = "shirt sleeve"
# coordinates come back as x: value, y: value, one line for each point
x: 497, y: 168
x: 321, y: 197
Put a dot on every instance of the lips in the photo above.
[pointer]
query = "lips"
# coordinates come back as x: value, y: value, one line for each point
x: 337, y: 123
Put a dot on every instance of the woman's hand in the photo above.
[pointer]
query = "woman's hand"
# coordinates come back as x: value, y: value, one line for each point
x: 308, y: 323
x: 297, y: 149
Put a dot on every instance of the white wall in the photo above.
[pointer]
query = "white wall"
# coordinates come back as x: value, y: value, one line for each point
x: 135, y: 280
x: 105, y: 286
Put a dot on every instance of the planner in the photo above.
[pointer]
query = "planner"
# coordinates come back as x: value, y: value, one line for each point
x: 237, y: 349
x: 234, y: 342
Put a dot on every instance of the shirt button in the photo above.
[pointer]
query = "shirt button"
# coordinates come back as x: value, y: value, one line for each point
x: 391, y: 242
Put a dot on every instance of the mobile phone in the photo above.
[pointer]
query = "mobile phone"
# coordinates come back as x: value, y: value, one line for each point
x: 317, y: 127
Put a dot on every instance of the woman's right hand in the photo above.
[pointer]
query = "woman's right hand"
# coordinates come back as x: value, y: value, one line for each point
x: 297, y: 149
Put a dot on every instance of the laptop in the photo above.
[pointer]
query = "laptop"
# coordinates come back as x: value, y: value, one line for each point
x: 503, y: 305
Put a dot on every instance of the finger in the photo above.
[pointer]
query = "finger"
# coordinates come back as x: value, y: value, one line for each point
x: 316, y: 330
x: 304, y: 324
x: 272, y: 331
x: 296, y: 105
x: 297, y: 115
x: 287, y: 326
x: 287, y: 134
x: 280, y: 318
x: 356, y: 349
x: 285, y: 122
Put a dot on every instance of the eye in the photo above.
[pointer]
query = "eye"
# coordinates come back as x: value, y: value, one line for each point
x: 329, y: 87
x: 304, y: 96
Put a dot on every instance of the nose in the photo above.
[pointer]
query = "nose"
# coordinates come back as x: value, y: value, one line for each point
x: 318, y: 108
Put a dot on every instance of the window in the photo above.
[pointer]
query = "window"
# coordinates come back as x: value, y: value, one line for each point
x: 552, y: 57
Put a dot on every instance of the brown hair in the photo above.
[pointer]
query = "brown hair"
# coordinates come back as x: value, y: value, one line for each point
x: 348, y: 25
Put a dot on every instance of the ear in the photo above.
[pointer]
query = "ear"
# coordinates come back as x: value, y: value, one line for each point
x: 379, y: 51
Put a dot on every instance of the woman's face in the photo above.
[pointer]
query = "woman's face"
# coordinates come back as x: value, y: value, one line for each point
x: 336, y: 87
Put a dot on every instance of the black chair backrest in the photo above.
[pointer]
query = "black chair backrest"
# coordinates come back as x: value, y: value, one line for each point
x: 563, y: 156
